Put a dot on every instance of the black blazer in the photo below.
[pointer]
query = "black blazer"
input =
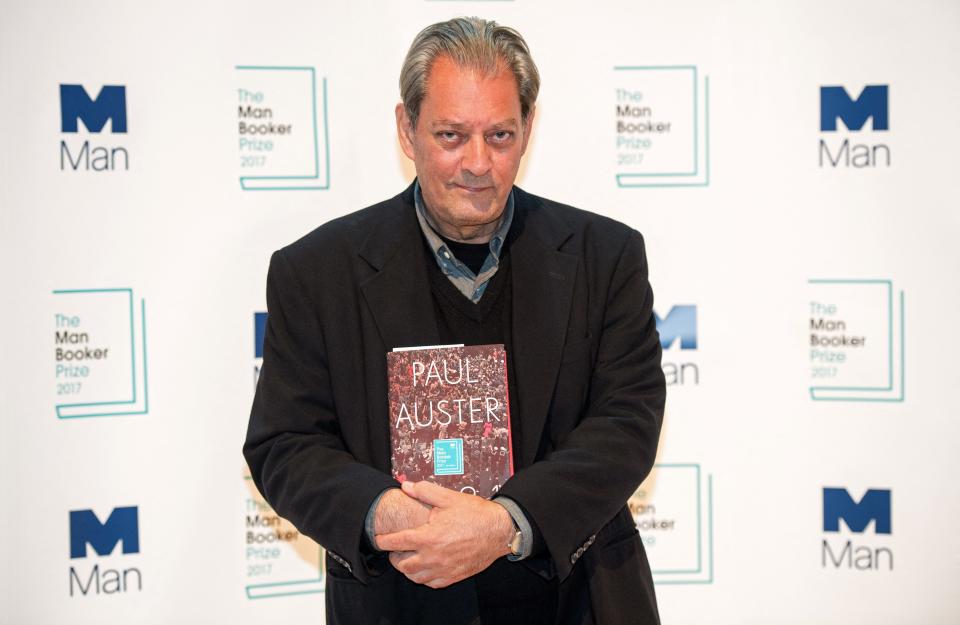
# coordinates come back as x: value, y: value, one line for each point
x: 589, y: 386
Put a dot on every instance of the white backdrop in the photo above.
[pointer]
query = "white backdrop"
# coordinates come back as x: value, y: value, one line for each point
x: 753, y: 235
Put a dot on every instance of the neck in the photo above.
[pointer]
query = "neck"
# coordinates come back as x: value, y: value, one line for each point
x: 480, y: 233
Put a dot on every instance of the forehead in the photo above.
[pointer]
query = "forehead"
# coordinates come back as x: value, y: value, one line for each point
x: 468, y: 95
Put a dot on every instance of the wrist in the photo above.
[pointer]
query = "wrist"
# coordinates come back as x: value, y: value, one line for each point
x: 505, y: 532
x: 386, y: 510
x: 522, y: 542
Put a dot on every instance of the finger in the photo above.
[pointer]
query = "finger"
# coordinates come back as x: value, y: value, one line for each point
x: 411, y: 567
x: 401, y: 560
x: 414, y: 501
x: 396, y: 557
x: 429, y: 493
x: 419, y: 577
x: 438, y: 583
x: 404, y: 540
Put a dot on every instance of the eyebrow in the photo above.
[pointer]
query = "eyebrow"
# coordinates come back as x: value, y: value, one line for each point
x: 507, y: 123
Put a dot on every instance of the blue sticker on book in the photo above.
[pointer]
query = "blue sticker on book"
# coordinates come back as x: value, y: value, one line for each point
x: 448, y: 456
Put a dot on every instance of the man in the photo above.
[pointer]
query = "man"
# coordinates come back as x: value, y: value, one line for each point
x: 463, y: 256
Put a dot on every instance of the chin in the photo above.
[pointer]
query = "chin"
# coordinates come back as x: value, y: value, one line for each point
x: 470, y: 216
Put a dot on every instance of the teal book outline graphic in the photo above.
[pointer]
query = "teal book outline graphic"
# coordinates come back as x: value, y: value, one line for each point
x: 293, y: 587
x: 698, y: 174
x: 136, y: 400
x: 448, y: 456
x: 892, y: 387
x: 700, y: 569
x: 270, y: 590
x: 290, y: 588
x: 319, y: 178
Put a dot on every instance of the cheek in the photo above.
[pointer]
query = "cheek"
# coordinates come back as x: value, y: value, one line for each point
x: 441, y: 163
x: 507, y: 164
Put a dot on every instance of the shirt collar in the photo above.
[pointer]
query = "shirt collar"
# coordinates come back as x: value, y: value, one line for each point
x: 436, y: 243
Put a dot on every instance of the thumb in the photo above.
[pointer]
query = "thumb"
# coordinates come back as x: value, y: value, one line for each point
x: 429, y: 493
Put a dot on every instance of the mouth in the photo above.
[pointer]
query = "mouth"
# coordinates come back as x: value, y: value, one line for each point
x: 470, y: 189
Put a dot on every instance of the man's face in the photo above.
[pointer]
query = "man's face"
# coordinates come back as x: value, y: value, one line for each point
x: 466, y: 147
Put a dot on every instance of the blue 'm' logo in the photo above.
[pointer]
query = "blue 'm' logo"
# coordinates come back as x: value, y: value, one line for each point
x: 259, y: 329
x: 835, y: 103
x: 680, y: 323
x: 86, y: 529
x: 110, y: 103
x: 874, y: 506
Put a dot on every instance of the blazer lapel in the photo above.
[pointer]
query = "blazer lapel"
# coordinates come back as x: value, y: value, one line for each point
x: 399, y: 310
x: 398, y: 294
x: 543, y: 283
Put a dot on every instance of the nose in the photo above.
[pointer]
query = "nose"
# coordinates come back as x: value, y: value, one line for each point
x: 476, y: 157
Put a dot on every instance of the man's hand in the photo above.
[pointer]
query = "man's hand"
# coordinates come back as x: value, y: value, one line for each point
x: 463, y: 536
x: 396, y: 511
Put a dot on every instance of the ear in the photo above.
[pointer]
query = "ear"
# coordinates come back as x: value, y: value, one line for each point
x: 527, y: 129
x: 404, y: 131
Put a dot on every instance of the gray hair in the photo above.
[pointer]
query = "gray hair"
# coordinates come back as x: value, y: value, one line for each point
x: 469, y: 42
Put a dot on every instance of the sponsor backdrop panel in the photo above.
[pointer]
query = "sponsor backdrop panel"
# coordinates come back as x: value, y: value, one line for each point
x: 790, y: 164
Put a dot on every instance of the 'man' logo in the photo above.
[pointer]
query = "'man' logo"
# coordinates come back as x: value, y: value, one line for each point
x: 836, y: 103
x: 86, y: 529
x: 873, y: 506
x: 680, y: 323
x: 259, y: 329
x: 110, y: 104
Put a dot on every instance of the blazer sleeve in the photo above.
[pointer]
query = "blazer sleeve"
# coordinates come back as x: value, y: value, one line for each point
x: 294, y: 448
x: 578, y: 487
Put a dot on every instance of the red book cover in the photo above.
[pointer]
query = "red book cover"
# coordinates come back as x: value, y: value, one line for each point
x: 450, y: 417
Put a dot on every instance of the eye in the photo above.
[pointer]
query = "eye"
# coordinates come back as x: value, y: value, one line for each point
x: 447, y: 136
x: 500, y: 136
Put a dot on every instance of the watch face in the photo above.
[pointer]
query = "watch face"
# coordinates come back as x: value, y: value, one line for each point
x: 515, y: 543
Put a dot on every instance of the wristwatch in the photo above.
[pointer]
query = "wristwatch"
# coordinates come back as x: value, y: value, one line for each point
x: 515, y: 542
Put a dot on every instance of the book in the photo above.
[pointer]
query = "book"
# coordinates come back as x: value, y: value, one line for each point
x: 450, y: 416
